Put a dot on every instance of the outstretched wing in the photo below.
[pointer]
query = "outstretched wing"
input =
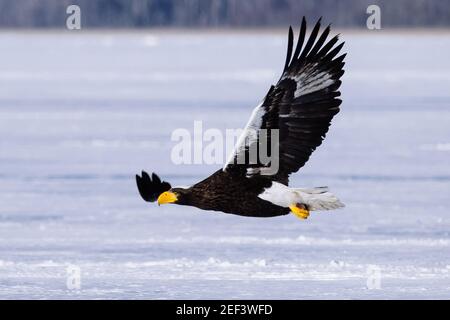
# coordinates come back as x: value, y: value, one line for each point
x: 300, y: 106
x: 151, y: 188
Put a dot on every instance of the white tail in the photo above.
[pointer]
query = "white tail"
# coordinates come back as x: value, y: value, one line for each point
x: 319, y: 198
x: 315, y: 198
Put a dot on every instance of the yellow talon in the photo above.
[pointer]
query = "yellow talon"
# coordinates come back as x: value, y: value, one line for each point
x: 299, y: 212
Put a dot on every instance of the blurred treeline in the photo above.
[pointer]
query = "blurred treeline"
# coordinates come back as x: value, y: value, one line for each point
x: 222, y: 13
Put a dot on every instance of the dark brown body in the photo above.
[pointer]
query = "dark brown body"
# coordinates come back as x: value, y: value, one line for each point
x: 215, y: 193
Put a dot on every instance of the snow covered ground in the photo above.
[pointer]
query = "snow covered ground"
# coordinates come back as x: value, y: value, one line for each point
x: 81, y: 113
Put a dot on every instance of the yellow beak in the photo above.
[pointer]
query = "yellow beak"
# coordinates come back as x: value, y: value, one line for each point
x: 167, y: 197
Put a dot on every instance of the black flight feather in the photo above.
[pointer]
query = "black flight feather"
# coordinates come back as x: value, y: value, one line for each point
x: 311, y: 40
x: 301, y: 39
x: 289, y: 49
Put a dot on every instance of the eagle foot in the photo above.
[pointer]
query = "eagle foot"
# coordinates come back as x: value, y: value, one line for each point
x: 300, y: 210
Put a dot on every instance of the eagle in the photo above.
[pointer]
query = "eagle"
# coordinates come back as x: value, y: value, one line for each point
x: 300, y: 107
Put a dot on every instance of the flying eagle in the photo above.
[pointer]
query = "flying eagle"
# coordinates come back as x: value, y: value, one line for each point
x: 300, y: 106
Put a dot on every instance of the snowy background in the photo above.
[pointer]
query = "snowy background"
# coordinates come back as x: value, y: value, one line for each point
x: 82, y: 113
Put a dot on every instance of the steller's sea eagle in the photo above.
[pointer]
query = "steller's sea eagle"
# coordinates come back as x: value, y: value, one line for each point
x: 300, y: 106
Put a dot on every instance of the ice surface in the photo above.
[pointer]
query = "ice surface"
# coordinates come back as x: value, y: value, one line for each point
x: 81, y: 113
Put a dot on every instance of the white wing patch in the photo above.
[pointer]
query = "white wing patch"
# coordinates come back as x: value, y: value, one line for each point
x: 249, y: 135
x: 318, y: 84
x: 307, y: 82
